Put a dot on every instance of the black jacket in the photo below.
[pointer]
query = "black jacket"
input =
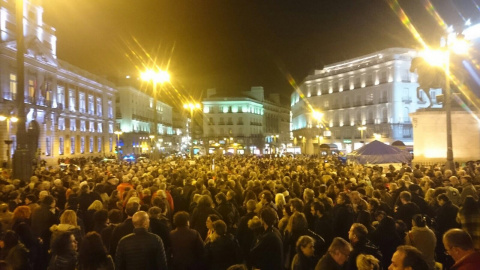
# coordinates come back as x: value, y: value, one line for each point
x: 140, y: 250
x: 342, y: 220
x: 267, y: 253
x: 222, y: 253
x: 120, y: 231
x: 362, y: 247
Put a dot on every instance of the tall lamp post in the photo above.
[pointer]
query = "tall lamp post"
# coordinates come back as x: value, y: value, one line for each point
x: 441, y: 58
x: 318, y: 116
x: 118, y: 133
x: 192, y: 107
x: 22, y: 158
x: 156, y: 77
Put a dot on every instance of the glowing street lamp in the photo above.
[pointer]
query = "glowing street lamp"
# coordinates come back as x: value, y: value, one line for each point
x: 192, y: 107
x: 441, y: 58
x: 155, y: 77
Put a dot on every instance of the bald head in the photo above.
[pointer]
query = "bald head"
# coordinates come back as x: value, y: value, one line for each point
x: 140, y: 220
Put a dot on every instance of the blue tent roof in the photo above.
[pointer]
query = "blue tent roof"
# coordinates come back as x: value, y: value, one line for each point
x: 377, y: 153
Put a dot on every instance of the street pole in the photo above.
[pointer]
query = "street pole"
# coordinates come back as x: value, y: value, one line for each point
x: 448, y: 113
x: 191, y: 132
x: 22, y: 158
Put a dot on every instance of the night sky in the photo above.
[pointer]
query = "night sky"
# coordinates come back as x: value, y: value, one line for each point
x: 229, y: 44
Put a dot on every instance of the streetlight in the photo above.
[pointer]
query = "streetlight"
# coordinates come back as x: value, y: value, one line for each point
x: 8, y: 141
x: 155, y: 77
x: 118, y: 133
x: 441, y: 58
x: 192, y: 107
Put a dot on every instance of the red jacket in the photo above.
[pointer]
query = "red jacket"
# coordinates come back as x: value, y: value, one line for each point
x: 469, y: 262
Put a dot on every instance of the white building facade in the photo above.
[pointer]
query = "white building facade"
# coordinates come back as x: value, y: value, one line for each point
x: 135, y: 119
x: 362, y: 99
x: 245, y: 124
x: 73, y: 109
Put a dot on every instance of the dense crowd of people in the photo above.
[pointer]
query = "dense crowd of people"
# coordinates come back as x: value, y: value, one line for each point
x: 241, y: 212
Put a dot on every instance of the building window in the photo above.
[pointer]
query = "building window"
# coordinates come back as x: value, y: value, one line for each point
x: 110, y: 128
x: 81, y: 102
x: 61, y: 123
x: 71, y: 100
x: 91, y: 105
x: 72, y: 145
x: 73, y: 125
x: 12, y: 94
x: 110, y: 144
x: 99, y: 144
x: 110, y: 109
x: 82, y: 145
x: 83, y: 126
x: 90, y: 148
x: 99, y: 107
x: 99, y: 127
x: 31, y: 92
x: 369, y: 99
x: 60, y: 97
x: 48, y: 146
x: 60, y: 146
x: 91, y: 126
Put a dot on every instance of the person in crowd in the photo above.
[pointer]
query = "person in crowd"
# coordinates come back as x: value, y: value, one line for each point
x: 360, y: 245
x: 342, y: 215
x: 323, y: 223
x: 100, y: 219
x: 14, y: 252
x: 124, y: 228
x: 160, y: 225
x: 222, y: 250
x: 406, y: 258
x: 407, y: 209
x: 140, y: 249
x: 244, y: 235
x: 459, y: 245
x: 423, y: 238
x: 336, y: 256
x: 367, y: 262
x: 114, y: 219
x: 68, y: 222
x: 201, y: 213
x: 445, y: 219
x: 64, y: 252
x: 469, y: 218
x: 92, y: 254
x: 41, y: 221
x: 209, y: 223
x: 267, y: 252
x: 304, y: 259
x: 89, y: 221
x: 187, y: 244
x: 227, y: 211
x: 468, y: 189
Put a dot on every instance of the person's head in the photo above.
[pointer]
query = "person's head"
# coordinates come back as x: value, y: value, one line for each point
x: 181, y: 219
x: 308, y: 194
x: 268, y: 216
x: 49, y: 201
x: 358, y: 233
x: 297, y: 222
x: 266, y: 196
x: 65, y: 243
x: 115, y: 216
x: 442, y: 199
x: 219, y: 227
x: 343, y: 198
x: 318, y: 209
x: 22, y: 212
x: 457, y: 243
x: 141, y: 220
x: 131, y: 208
x: 96, y: 205
x: 220, y: 198
x: 407, y: 258
x: 340, y: 250
x: 419, y: 220
x: 251, y: 205
x: 10, y: 239
x: 69, y: 217
x: 466, y: 179
x: 100, y: 217
x: 280, y: 199
x: 92, y: 251
x: 367, y: 262
x: 210, y: 219
x: 405, y: 197
x: 296, y: 205
x: 305, y: 246
x: 205, y: 201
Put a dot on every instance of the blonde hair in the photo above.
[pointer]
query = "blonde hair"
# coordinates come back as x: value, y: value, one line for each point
x: 96, y: 205
x: 367, y: 262
x: 69, y: 217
